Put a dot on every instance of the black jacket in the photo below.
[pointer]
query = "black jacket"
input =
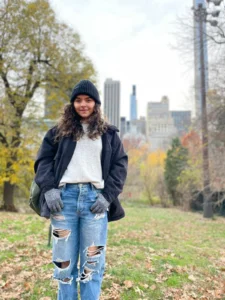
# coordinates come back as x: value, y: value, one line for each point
x: 53, y: 159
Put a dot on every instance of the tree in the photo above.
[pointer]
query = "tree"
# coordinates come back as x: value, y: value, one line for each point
x: 151, y: 172
x: 36, y: 53
x: 175, y: 163
x: 136, y: 156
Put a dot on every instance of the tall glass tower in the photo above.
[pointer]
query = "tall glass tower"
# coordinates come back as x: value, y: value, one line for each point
x: 133, y: 104
x: 197, y: 59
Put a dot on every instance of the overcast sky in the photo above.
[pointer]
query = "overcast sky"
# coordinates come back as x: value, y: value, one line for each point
x: 130, y: 41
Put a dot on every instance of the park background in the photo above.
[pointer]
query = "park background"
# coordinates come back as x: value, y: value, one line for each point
x: 170, y: 245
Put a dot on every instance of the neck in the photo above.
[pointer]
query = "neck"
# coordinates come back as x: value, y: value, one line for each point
x: 84, y: 121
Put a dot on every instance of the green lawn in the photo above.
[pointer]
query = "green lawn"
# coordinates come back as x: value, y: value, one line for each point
x: 152, y: 253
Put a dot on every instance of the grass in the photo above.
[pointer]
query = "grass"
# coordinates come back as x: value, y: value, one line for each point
x: 152, y: 253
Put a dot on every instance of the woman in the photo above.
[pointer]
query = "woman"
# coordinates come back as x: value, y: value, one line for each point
x: 81, y: 168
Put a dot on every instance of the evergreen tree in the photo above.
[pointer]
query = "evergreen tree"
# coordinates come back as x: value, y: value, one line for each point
x: 175, y: 163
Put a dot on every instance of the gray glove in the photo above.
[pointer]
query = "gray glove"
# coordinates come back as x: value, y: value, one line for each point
x: 100, y: 206
x: 53, y: 200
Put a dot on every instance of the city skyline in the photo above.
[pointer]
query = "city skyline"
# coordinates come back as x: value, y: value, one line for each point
x: 134, y: 88
x: 131, y: 41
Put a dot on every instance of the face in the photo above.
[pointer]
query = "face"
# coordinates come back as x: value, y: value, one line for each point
x: 84, y: 106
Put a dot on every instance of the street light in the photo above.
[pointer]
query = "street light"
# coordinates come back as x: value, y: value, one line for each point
x: 201, y: 14
x: 213, y: 23
x: 215, y: 13
x: 215, y: 2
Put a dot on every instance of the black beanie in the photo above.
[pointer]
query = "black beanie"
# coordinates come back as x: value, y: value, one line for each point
x: 85, y: 87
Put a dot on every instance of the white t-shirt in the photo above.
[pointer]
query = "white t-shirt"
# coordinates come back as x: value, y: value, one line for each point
x: 85, y: 164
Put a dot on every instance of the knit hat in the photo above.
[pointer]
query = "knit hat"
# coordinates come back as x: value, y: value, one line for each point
x: 85, y: 87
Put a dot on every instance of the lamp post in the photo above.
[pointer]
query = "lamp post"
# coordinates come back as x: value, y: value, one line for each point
x: 215, y: 2
x: 201, y: 14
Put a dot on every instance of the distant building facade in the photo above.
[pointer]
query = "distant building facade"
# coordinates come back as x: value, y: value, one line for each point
x: 112, y: 101
x: 123, y: 126
x: 133, y: 104
x: 182, y: 121
x: 134, y: 127
x: 160, y: 128
x: 138, y: 125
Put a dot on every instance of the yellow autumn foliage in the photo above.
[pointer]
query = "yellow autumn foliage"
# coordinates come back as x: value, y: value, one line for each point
x: 151, y: 172
x: 156, y: 159
x: 146, y: 172
x: 21, y: 169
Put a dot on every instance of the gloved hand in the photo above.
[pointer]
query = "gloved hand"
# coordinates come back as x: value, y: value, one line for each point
x: 100, y: 206
x: 53, y: 200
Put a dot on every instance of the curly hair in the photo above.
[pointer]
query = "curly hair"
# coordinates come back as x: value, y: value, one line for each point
x: 70, y: 124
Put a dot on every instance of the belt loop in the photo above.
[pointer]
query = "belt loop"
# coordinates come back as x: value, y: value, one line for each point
x: 92, y: 187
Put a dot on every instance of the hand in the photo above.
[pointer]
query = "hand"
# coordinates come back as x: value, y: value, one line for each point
x: 53, y: 200
x: 100, y: 206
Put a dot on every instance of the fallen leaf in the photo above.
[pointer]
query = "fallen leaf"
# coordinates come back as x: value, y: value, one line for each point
x: 192, y: 278
x: 128, y: 284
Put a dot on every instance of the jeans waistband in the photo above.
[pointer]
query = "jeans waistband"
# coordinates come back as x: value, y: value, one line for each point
x: 79, y: 184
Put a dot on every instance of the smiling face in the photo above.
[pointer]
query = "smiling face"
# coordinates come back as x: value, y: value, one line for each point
x: 84, y: 106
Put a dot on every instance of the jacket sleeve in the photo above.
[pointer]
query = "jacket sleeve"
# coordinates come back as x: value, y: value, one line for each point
x: 118, y: 171
x: 44, y: 164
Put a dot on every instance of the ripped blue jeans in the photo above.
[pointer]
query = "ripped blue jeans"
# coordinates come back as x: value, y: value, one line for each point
x: 79, y: 243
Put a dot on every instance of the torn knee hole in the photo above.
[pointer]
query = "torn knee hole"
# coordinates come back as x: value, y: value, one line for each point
x: 58, y: 217
x: 87, y: 271
x: 92, y: 262
x: 86, y: 275
x: 61, y: 232
x: 94, y: 250
x: 66, y: 279
x: 62, y: 264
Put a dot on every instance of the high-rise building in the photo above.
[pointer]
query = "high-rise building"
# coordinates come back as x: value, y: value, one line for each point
x: 135, y: 127
x: 197, y: 59
x: 160, y: 124
x: 182, y: 120
x: 112, y: 101
x: 133, y: 104
x: 123, y: 126
x: 138, y: 125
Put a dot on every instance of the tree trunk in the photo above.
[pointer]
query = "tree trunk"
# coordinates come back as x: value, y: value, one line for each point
x: 8, y: 191
x: 174, y: 197
x: 207, y: 206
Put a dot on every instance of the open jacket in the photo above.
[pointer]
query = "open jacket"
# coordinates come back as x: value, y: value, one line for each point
x: 53, y: 159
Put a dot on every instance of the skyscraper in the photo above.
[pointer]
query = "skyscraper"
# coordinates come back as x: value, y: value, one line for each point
x: 160, y: 124
x: 182, y: 120
x: 133, y: 104
x: 123, y: 126
x: 197, y: 60
x: 112, y: 101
